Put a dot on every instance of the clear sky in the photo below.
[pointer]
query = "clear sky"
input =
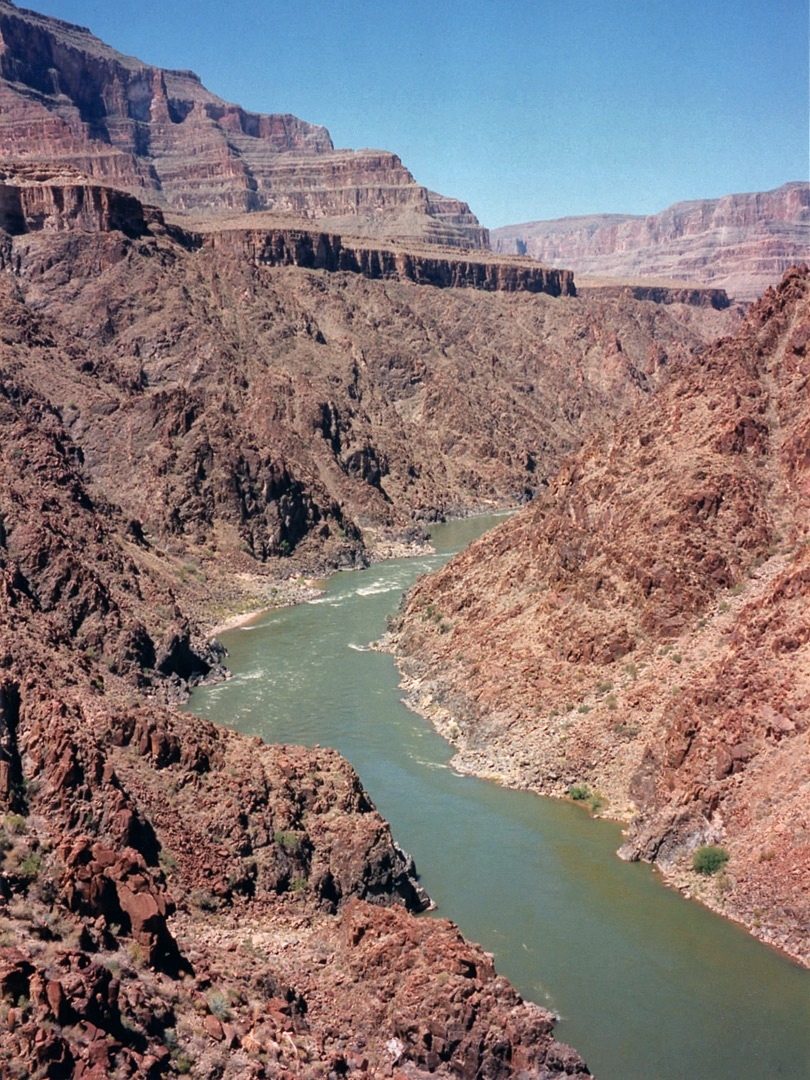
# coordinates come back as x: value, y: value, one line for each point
x: 527, y: 109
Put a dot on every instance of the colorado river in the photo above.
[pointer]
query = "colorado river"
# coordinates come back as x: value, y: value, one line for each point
x: 648, y: 985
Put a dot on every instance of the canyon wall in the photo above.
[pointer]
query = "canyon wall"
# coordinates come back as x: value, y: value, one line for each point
x: 638, y: 635
x: 69, y: 99
x: 176, y: 897
x: 324, y: 251
x: 740, y: 243
x: 286, y: 392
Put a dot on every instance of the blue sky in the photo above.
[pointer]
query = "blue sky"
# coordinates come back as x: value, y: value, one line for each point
x: 527, y: 109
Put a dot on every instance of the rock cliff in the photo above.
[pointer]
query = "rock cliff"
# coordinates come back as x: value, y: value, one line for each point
x: 69, y: 99
x: 325, y: 251
x: 174, y: 897
x: 289, y: 391
x: 740, y: 243
x: 180, y: 412
x: 639, y: 632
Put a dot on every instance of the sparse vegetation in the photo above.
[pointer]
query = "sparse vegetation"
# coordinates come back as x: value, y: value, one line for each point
x: 626, y: 731
x: 218, y: 1004
x: 205, y: 900
x: 14, y: 823
x: 289, y: 841
x: 31, y: 865
x: 708, y: 859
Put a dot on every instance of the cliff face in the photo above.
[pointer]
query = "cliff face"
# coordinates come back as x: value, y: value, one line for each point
x: 740, y: 243
x: 69, y: 99
x: 325, y: 251
x: 175, y: 896
x: 282, y: 391
x: 640, y: 629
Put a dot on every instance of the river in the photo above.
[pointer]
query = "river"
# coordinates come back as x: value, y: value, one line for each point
x: 648, y: 985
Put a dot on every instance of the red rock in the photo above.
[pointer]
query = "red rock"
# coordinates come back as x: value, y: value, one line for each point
x: 740, y: 243
x: 202, y: 152
x: 647, y: 536
x: 214, y: 1028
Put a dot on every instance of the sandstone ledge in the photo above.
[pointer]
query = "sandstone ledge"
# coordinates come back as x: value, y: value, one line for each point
x: 692, y: 295
x: 313, y: 250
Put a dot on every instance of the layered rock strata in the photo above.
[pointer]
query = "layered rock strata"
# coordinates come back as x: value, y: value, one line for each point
x: 639, y: 632
x: 70, y: 99
x: 659, y: 294
x: 740, y: 243
x: 282, y: 391
x: 325, y: 251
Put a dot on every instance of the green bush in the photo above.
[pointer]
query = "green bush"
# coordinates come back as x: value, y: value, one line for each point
x: 708, y: 859
x: 579, y: 792
x: 31, y: 865
x: 218, y: 1004
x: 289, y: 841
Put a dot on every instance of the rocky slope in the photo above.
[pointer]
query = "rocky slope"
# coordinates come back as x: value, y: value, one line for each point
x: 248, y: 395
x: 740, y: 243
x: 639, y: 632
x: 69, y: 99
x: 175, y: 898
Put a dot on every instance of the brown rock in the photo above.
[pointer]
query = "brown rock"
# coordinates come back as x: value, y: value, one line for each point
x: 203, y: 153
x: 740, y: 243
x: 214, y: 1028
x: 646, y: 537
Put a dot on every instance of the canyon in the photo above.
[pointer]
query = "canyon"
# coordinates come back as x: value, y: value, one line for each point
x: 637, y: 636
x: 232, y: 357
x: 175, y: 897
x: 739, y: 243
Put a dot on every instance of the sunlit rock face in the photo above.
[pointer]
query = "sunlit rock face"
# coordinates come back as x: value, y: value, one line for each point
x: 740, y: 243
x: 69, y: 99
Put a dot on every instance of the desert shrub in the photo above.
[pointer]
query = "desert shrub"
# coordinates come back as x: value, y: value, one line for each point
x: 205, y: 900
x: 579, y: 792
x: 31, y: 865
x: 167, y: 861
x: 218, y: 1004
x: 290, y: 841
x: 15, y: 823
x: 708, y: 859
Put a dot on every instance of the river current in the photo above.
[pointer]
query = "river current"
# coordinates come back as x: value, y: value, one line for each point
x: 648, y: 985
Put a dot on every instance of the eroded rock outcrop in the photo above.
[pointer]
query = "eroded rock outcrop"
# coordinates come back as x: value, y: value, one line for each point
x: 740, y: 243
x: 296, y: 392
x: 172, y: 893
x: 639, y: 632
x: 325, y: 251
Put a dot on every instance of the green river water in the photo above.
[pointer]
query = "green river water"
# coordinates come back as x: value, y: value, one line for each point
x: 648, y: 985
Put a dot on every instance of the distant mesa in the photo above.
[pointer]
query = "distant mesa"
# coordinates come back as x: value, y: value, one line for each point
x: 69, y: 99
x: 740, y: 243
